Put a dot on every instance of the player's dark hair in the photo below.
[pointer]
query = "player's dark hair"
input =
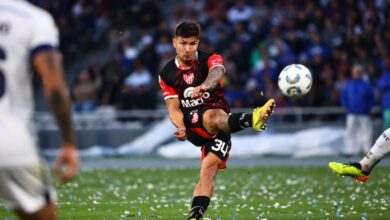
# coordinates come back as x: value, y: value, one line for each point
x: 187, y: 28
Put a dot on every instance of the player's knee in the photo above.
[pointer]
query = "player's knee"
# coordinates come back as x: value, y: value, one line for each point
x: 210, y: 117
x: 213, y: 117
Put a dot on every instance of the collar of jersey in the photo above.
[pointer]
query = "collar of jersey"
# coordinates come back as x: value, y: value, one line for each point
x: 184, y: 67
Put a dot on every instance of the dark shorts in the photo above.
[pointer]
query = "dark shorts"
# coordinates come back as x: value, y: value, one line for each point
x: 219, y: 144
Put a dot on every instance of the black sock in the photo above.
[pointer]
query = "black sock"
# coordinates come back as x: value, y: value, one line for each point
x: 199, y: 206
x: 239, y: 121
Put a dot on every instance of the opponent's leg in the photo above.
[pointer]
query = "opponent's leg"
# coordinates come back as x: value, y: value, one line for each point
x: 361, y: 170
x: 377, y: 152
x: 205, y: 187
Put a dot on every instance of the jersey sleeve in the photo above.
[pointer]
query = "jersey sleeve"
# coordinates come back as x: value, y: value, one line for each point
x: 215, y: 60
x: 168, y: 92
x: 44, y: 34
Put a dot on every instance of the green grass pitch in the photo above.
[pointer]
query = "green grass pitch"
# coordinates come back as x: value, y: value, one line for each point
x: 240, y: 193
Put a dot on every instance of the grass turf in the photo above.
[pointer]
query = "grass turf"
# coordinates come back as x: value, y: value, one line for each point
x: 240, y: 193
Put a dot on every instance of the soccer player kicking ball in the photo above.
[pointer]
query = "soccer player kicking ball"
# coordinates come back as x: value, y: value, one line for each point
x: 361, y: 170
x: 192, y: 88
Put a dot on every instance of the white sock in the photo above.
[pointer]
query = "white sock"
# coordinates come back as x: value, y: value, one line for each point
x: 377, y: 152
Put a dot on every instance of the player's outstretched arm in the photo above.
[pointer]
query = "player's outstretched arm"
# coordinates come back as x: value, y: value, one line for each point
x: 177, y: 118
x: 48, y: 65
x: 213, y: 78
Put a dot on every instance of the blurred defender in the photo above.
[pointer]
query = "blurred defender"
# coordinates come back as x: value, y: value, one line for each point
x: 28, y: 38
x: 192, y: 87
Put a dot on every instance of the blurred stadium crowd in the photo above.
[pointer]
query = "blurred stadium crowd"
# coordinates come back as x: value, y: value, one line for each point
x: 257, y: 38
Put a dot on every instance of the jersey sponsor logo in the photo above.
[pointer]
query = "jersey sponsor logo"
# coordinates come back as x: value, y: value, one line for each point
x: 189, y: 77
x: 188, y: 102
x: 188, y: 92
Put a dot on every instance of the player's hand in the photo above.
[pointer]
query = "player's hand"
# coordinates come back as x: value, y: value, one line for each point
x: 67, y: 163
x: 198, y: 91
x: 181, y: 134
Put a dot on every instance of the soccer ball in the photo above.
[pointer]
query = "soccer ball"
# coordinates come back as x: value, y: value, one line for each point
x: 295, y: 80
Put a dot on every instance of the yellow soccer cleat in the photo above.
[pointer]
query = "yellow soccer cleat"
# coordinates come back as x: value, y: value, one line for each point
x: 260, y: 115
x: 348, y: 169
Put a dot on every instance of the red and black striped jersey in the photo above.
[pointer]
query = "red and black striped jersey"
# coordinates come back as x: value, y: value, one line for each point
x: 179, y: 82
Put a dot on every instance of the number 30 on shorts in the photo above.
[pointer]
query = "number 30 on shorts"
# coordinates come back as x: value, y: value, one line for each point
x: 220, y: 146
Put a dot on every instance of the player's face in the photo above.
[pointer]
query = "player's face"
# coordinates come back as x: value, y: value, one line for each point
x: 186, y: 48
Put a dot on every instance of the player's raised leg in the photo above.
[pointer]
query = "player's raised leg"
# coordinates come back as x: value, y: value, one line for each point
x: 361, y: 170
x: 215, y: 120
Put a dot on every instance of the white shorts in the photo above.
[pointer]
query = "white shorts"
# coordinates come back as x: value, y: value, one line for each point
x: 28, y: 189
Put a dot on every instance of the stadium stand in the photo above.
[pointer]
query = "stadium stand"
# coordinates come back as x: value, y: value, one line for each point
x: 257, y: 38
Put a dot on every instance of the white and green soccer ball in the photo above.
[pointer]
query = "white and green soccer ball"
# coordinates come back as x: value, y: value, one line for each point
x: 295, y: 80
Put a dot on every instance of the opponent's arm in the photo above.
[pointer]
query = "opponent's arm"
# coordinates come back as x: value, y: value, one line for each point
x: 48, y: 65
x: 177, y: 118
x: 213, y: 78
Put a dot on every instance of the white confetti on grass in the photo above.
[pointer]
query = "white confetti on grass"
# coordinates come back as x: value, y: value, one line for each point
x: 261, y: 192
